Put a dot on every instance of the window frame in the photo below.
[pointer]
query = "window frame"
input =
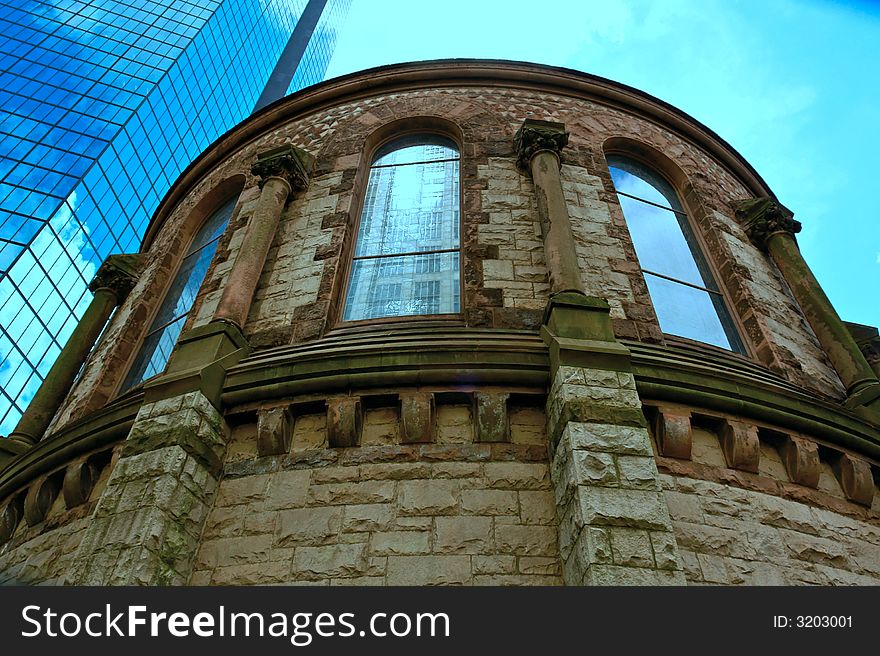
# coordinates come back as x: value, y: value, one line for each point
x: 692, y: 233
x: 366, y: 166
x: 148, y: 330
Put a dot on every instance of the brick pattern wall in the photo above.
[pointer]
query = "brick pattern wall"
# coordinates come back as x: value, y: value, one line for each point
x: 448, y: 512
x: 44, y: 554
x: 731, y: 536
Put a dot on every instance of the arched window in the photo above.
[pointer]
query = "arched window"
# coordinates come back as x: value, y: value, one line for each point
x: 406, y: 258
x: 165, y: 329
x: 686, y: 298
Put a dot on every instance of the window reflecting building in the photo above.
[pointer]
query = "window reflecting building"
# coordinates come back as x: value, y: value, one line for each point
x: 102, y: 104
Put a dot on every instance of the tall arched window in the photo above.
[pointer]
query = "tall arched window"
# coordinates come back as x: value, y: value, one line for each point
x: 685, y: 295
x: 406, y: 258
x: 165, y: 329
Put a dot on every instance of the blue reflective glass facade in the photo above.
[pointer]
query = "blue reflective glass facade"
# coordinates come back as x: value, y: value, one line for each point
x: 102, y: 104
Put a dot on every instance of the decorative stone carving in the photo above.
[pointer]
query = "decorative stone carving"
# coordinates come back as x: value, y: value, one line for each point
x: 274, y: 430
x: 490, y: 417
x: 39, y: 499
x: 287, y: 162
x: 868, y: 340
x: 79, y: 479
x: 416, y: 417
x: 672, y: 428
x: 535, y: 136
x: 9, y: 519
x: 801, y: 458
x: 854, y: 476
x: 344, y: 421
x: 739, y: 442
x: 118, y: 273
x: 764, y: 217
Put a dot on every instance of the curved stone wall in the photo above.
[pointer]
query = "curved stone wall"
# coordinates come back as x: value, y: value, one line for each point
x: 535, y: 439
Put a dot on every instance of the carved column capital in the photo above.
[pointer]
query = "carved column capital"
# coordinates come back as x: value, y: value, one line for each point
x: 118, y: 273
x: 764, y: 217
x: 289, y: 163
x: 535, y: 136
x: 868, y: 340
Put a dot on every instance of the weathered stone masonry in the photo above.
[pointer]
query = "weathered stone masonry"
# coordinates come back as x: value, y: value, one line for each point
x: 552, y: 434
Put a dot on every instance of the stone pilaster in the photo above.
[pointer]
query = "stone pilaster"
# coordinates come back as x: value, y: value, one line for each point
x: 146, y: 527
x: 112, y: 283
x: 538, y: 145
x: 615, y: 527
x: 771, y: 227
x: 281, y: 171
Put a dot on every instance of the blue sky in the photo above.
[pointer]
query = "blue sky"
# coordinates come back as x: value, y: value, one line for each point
x: 794, y: 86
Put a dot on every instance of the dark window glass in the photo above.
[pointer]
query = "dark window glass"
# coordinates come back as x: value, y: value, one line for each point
x: 407, y: 251
x: 165, y: 329
x: 686, y: 298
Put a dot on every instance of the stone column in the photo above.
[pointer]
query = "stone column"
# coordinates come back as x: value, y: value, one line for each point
x: 614, y: 524
x: 281, y: 172
x: 114, y: 280
x: 538, y: 144
x: 771, y: 227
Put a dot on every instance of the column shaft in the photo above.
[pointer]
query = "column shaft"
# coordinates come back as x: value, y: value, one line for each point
x: 55, y: 386
x: 245, y: 274
x: 559, y: 246
x: 845, y: 355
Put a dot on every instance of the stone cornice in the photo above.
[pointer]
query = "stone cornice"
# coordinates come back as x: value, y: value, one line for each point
x: 764, y: 217
x: 118, y: 273
x: 289, y: 163
x: 535, y: 136
x: 456, y: 73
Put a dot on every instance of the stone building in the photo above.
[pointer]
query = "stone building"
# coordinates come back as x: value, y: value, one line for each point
x: 456, y: 322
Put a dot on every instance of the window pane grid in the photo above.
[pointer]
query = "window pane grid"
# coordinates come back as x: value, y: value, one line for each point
x: 168, y: 323
x: 684, y: 293
x: 406, y: 258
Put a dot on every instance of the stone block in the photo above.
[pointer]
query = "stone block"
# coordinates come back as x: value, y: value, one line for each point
x: 517, y: 476
x: 368, y: 517
x: 594, y: 468
x: 494, y: 564
x: 463, y: 535
x: 526, y: 540
x: 288, y: 489
x: 309, y: 525
x: 612, y: 438
x: 434, y: 497
x: 631, y: 547
x: 665, y: 550
x: 352, y: 493
x: 489, y: 502
x: 335, y: 560
x: 400, y: 543
x: 615, y: 575
x: 638, y: 472
x: 537, y: 507
x: 245, y: 490
x: 619, y: 507
x: 429, y: 570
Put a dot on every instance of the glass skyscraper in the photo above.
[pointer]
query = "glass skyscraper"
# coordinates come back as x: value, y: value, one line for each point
x: 103, y: 103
